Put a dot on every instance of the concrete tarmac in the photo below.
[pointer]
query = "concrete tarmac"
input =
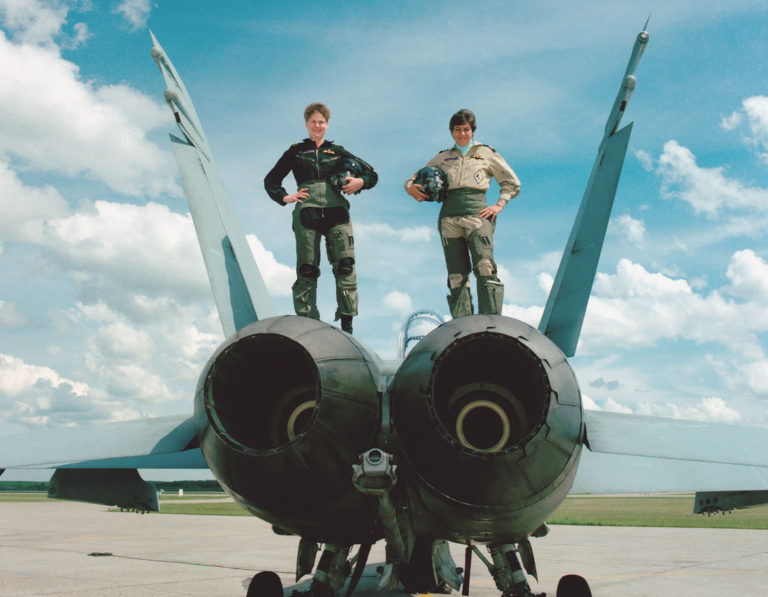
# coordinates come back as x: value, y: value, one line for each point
x: 72, y: 549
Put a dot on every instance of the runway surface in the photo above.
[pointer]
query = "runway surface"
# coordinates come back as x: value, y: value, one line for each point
x: 48, y: 549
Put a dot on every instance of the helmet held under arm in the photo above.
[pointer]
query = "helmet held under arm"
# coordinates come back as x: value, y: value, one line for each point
x: 434, y: 183
x: 345, y: 168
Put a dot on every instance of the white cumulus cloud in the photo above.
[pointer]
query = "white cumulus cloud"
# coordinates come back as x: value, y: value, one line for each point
x: 707, y: 190
x: 33, y: 395
x: 148, y: 248
x: 711, y: 410
x: 632, y: 229
x: 398, y: 301
x: 34, y: 22
x: 635, y: 308
x: 278, y: 277
x: 24, y: 207
x: 405, y: 234
x: 754, y: 114
x: 136, y: 12
x: 55, y: 121
x: 748, y: 274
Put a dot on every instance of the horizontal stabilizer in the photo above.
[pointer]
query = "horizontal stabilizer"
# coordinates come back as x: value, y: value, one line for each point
x: 714, y: 502
x: 676, y: 439
x: 601, y: 473
x: 162, y: 442
x: 111, y: 487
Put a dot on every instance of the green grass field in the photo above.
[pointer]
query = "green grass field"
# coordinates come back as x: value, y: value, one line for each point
x: 189, y: 496
x: 215, y: 509
x: 652, y: 511
x: 12, y: 496
x: 635, y: 511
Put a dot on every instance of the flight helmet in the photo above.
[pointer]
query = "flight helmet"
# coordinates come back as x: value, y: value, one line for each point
x: 434, y: 182
x: 344, y: 168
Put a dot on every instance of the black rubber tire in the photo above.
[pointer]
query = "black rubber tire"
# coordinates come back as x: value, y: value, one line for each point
x: 265, y: 584
x: 573, y: 585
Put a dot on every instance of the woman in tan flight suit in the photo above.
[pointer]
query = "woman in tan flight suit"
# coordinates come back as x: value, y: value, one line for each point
x: 466, y: 221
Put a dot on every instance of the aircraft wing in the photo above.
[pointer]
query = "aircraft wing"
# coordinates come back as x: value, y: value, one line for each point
x: 635, y: 453
x: 658, y: 437
x: 160, y: 442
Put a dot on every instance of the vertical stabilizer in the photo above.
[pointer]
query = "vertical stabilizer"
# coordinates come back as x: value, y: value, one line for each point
x: 567, y: 303
x: 238, y: 288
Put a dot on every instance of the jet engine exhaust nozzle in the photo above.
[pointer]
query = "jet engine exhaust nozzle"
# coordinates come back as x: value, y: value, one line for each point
x: 488, y: 415
x: 282, y: 409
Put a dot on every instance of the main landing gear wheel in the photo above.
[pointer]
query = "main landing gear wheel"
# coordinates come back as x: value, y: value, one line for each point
x: 573, y: 585
x: 265, y: 584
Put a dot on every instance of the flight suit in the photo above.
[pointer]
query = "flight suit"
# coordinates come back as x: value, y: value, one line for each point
x: 466, y: 237
x: 325, y: 213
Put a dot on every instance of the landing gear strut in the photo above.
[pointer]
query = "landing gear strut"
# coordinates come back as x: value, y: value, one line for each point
x: 507, y: 571
x: 331, y: 573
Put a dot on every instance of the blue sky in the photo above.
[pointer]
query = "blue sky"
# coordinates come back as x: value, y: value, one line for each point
x: 105, y: 313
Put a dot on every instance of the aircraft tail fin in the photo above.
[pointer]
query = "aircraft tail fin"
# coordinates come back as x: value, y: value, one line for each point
x: 567, y: 302
x: 238, y: 288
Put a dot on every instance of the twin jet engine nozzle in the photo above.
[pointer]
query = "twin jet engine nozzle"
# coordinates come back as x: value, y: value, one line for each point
x: 483, y: 416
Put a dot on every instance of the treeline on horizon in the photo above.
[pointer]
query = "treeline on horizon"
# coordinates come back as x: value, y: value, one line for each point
x: 164, y: 486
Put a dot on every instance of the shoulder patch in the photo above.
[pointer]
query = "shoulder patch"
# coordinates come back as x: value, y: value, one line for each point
x: 489, y: 147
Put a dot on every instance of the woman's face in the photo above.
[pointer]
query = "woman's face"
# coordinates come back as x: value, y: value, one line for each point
x: 316, y: 126
x: 462, y: 134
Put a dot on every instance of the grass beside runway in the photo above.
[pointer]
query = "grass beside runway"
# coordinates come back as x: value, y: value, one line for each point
x: 652, y: 511
x: 25, y: 496
x: 213, y: 509
x: 632, y: 511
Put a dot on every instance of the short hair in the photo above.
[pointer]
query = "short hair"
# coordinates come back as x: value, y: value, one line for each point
x: 316, y: 107
x: 463, y: 116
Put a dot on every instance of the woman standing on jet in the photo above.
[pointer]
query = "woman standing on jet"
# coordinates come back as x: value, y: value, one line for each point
x: 323, y: 170
x: 466, y: 221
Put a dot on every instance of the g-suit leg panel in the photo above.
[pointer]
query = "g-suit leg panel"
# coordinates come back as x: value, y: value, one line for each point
x: 340, y: 245
x: 307, y: 268
x: 458, y: 265
x: 490, y: 290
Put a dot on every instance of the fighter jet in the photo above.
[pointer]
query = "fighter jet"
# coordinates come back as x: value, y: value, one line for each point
x: 474, y: 435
